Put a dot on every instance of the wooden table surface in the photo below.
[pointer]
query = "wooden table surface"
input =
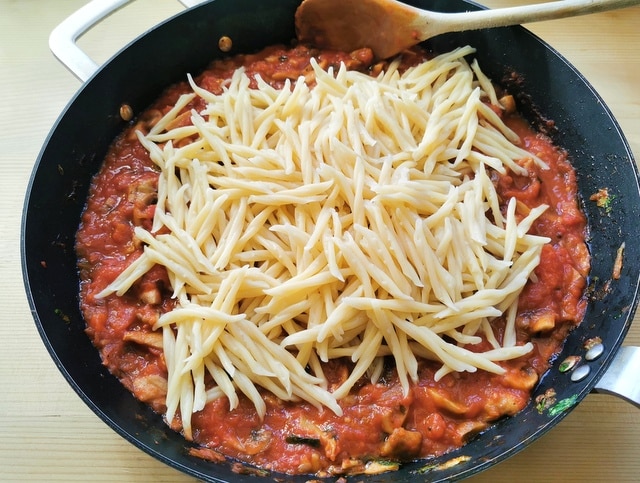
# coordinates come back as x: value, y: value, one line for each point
x: 46, y: 431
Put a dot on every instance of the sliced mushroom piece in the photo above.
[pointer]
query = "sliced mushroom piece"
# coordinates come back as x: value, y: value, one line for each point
x: 402, y: 444
x: 150, y: 388
x: 151, y: 339
x: 446, y: 403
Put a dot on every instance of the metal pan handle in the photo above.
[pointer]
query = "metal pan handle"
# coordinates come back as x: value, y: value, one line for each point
x: 621, y: 377
x: 62, y: 40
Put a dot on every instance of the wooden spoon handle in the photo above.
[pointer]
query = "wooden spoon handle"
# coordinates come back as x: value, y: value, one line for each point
x: 438, y: 23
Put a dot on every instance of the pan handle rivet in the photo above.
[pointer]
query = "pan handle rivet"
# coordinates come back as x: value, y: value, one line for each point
x: 580, y: 373
x: 126, y: 112
x: 225, y: 43
x: 594, y: 352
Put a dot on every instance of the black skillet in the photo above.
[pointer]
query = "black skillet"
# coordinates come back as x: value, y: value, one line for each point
x: 547, y: 87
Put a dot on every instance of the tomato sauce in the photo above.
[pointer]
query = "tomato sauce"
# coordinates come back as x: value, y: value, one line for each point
x: 380, y: 424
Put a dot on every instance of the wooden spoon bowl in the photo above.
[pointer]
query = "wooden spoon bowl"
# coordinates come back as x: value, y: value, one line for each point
x: 388, y: 27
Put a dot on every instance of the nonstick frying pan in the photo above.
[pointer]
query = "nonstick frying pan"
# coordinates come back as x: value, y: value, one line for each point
x: 546, y: 87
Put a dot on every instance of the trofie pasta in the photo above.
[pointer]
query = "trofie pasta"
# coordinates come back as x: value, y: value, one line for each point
x: 337, y: 216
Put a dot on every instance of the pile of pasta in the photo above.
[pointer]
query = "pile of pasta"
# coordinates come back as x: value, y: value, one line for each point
x: 352, y: 219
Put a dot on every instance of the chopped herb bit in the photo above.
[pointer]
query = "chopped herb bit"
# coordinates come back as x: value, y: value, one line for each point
x: 384, y: 462
x: 603, y: 199
x: 563, y: 405
x: 546, y: 400
x: 293, y: 439
x: 62, y: 315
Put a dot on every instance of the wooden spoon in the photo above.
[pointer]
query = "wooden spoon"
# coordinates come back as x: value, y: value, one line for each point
x: 389, y: 27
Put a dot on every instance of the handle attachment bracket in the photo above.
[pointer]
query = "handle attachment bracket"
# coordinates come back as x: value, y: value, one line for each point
x: 63, y: 38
